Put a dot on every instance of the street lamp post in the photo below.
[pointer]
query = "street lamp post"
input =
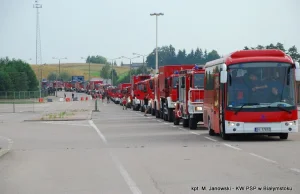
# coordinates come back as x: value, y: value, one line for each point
x: 143, y: 58
x: 130, y: 65
x: 59, y: 64
x: 89, y: 57
x: 156, y: 61
x: 58, y: 70
x: 112, y: 69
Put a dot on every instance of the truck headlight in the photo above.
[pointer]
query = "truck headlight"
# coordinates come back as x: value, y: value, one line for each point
x: 198, y: 108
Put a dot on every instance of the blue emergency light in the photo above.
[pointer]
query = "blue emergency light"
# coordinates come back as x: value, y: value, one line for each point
x: 176, y: 72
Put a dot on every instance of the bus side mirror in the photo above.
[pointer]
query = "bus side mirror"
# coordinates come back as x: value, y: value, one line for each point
x: 297, y: 71
x: 223, y: 77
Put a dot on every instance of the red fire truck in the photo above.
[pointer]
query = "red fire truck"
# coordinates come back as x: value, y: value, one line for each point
x: 68, y: 86
x: 148, y: 89
x: 251, y: 92
x: 189, y: 106
x: 137, y: 90
x: 166, y: 90
x: 122, y: 91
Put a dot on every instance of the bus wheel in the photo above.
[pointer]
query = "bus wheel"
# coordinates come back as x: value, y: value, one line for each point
x: 222, y: 134
x: 193, y: 123
x: 185, y: 123
x: 284, y: 136
x: 210, y: 131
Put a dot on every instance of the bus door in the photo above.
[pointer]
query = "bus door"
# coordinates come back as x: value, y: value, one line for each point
x: 216, y: 104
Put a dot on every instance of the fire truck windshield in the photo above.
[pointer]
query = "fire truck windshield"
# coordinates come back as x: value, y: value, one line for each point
x: 174, y: 82
x: 263, y: 85
x: 199, y: 80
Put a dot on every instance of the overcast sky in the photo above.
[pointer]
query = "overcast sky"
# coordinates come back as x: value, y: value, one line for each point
x: 112, y: 28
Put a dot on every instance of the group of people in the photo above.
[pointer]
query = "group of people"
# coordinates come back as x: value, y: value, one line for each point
x: 268, y: 90
x: 146, y: 103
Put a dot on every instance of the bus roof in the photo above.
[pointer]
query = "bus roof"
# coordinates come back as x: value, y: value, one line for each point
x: 242, y: 56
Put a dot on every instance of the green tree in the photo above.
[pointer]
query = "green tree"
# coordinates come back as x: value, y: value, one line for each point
x: 65, y: 76
x: 6, y: 84
x: 52, y: 76
x: 105, y: 72
x: 113, y: 76
x: 294, y: 53
x: 96, y: 59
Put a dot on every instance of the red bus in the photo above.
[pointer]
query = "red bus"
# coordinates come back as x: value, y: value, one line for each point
x: 251, y: 92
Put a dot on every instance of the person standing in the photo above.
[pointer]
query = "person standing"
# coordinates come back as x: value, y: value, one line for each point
x: 146, y: 107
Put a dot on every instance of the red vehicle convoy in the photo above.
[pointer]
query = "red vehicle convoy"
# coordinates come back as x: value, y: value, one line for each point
x: 189, y: 106
x: 138, y: 90
x: 166, y: 90
x: 251, y: 92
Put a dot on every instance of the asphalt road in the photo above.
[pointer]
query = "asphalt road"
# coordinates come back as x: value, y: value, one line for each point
x: 123, y: 152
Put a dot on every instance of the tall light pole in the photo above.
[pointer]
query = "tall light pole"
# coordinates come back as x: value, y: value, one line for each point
x: 58, y: 70
x: 112, y: 69
x: 59, y: 64
x: 141, y: 56
x: 156, y: 61
x: 130, y: 65
x: 38, y: 48
x: 89, y: 58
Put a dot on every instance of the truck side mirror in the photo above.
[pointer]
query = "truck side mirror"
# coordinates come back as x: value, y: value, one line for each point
x: 297, y: 71
x: 223, y: 77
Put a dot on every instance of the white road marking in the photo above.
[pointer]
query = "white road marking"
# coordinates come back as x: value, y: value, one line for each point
x: 211, y: 139
x: 295, y: 169
x: 230, y: 146
x: 98, y: 131
x: 131, y: 184
x: 3, y: 151
x: 174, y: 126
x: 166, y: 123
x: 266, y: 159
x: 194, y: 133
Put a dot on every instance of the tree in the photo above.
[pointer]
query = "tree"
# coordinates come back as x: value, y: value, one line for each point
x: 105, y: 72
x: 294, y: 53
x: 52, y: 76
x: 113, y: 76
x: 96, y: 59
x: 65, y: 76
x: 6, y: 84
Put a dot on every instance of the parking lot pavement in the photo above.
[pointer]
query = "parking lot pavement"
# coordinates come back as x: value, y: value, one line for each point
x: 165, y: 158
x: 121, y: 151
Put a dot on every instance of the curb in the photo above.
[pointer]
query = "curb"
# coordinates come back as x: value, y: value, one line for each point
x: 56, y: 120
x: 4, y: 151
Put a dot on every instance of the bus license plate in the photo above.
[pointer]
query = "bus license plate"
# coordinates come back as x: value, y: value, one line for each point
x: 262, y: 129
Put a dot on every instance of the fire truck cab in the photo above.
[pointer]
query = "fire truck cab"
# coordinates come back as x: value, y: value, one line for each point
x: 189, y: 106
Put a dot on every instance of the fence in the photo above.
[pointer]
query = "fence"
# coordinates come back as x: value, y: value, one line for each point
x: 20, y: 101
x: 22, y: 94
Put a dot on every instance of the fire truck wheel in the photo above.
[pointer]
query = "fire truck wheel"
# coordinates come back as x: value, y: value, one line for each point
x: 152, y: 111
x: 157, y: 114
x: 210, y: 131
x: 284, y: 136
x: 176, y: 120
x: 193, y: 123
x: 170, y: 115
x: 185, y: 122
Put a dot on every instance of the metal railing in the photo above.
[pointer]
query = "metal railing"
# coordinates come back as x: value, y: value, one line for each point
x: 22, y: 94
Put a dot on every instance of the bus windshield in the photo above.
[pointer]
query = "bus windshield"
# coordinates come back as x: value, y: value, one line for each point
x: 199, y: 80
x: 260, y: 85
